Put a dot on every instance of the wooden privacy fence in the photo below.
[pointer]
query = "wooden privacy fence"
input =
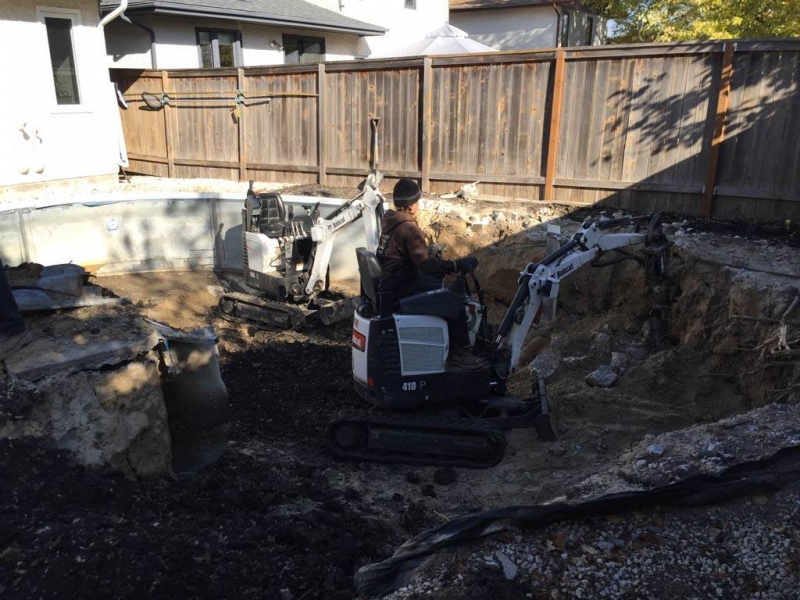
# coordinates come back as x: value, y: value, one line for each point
x: 702, y: 128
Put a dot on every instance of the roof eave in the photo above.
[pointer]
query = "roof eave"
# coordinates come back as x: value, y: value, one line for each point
x: 232, y: 15
x: 521, y: 4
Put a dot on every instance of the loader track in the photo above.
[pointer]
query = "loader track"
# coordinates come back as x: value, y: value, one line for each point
x: 416, y: 439
x: 244, y: 308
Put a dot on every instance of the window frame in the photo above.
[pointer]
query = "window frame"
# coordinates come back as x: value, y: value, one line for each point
x: 215, y: 57
x: 74, y: 16
x: 321, y: 40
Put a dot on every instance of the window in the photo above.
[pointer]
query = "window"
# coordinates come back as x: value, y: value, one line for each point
x: 589, y: 30
x: 565, y: 28
x: 302, y: 49
x: 219, y: 48
x: 411, y: 4
x: 59, y: 27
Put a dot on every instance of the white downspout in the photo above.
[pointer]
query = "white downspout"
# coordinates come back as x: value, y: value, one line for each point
x: 114, y: 13
x: 122, y: 151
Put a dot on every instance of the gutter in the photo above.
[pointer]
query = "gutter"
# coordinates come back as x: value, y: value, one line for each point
x: 153, y: 62
x: 114, y: 14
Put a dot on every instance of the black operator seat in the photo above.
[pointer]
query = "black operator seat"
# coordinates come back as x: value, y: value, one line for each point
x: 274, y: 222
x: 438, y: 303
x: 370, y: 274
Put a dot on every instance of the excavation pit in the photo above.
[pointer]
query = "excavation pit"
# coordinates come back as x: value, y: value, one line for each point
x: 278, y: 512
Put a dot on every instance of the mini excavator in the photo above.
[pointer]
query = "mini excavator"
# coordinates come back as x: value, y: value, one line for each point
x: 286, y: 259
x: 425, y: 411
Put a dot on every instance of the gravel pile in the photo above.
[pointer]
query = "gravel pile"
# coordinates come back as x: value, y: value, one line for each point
x: 749, y: 548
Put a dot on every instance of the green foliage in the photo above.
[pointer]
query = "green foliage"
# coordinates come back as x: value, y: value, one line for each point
x: 679, y: 20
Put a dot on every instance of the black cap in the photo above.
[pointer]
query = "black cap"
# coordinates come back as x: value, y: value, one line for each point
x: 406, y: 193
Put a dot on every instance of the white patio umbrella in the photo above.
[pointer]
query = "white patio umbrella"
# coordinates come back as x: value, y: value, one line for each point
x: 445, y: 40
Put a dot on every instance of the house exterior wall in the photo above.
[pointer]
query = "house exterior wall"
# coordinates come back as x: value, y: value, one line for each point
x: 527, y: 27
x: 579, y: 25
x: 510, y: 28
x: 176, y: 42
x: 176, y: 45
x: 405, y: 25
x: 63, y: 141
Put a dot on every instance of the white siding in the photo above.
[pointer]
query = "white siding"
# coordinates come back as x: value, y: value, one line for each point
x: 76, y: 141
x: 510, y: 28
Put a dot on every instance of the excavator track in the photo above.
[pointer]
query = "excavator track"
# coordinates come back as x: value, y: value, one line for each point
x: 244, y: 308
x: 416, y: 439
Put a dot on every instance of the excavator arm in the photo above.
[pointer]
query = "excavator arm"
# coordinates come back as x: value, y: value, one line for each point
x: 369, y: 205
x: 543, y: 279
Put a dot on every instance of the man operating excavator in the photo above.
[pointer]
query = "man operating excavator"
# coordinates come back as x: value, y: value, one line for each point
x: 406, y: 258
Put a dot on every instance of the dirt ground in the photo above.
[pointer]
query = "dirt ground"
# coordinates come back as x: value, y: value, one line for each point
x: 279, y: 513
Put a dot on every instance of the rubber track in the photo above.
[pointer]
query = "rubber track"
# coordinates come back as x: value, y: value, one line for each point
x: 444, y: 424
x: 295, y: 317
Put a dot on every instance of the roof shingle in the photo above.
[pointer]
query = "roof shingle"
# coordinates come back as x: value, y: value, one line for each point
x: 290, y: 13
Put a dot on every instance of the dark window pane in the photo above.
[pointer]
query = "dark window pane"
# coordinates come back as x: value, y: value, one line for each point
x: 204, y: 39
x: 62, y: 59
x: 226, y: 53
x: 301, y: 49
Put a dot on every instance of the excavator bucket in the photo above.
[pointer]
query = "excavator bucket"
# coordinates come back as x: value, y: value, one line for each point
x: 330, y: 312
x: 544, y: 422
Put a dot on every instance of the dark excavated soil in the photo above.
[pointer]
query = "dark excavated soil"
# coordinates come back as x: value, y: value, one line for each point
x: 252, y: 525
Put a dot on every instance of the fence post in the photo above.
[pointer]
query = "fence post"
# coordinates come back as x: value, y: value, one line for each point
x: 240, y: 126
x: 322, y: 146
x: 427, y: 115
x: 555, y: 125
x: 723, y: 101
x: 168, y: 126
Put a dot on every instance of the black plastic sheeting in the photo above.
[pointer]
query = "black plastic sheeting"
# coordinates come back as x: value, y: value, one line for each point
x: 773, y: 473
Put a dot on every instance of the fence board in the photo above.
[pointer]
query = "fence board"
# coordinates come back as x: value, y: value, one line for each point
x: 635, y: 130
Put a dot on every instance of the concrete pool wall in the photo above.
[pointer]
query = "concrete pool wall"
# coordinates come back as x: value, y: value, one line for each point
x: 128, y: 233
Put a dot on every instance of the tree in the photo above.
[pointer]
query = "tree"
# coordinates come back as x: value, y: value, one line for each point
x: 679, y: 20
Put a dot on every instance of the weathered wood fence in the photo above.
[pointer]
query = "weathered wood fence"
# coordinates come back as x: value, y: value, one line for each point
x: 702, y: 128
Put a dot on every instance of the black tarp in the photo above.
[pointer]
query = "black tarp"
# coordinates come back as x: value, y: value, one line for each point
x: 772, y: 473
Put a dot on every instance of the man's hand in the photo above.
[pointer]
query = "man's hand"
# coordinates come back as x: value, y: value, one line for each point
x: 466, y: 265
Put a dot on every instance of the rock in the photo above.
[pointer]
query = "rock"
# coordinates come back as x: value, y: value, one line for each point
x: 656, y: 449
x: 412, y: 477
x: 557, y: 449
x: 510, y: 570
x: 680, y: 233
x: 546, y: 364
x: 636, y: 353
x: 619, y: 362
x: 427, y: 490
x: 602, y: 342
x: 574, y: 361
x: 397, y: 497
x: 444, y: 476
x: 605, y: 546
x: 602, y: 377
x: 499, y: 217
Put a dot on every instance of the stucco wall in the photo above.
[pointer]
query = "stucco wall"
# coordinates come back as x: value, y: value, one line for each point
x: 63, y: 141
x: 510, y: 28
